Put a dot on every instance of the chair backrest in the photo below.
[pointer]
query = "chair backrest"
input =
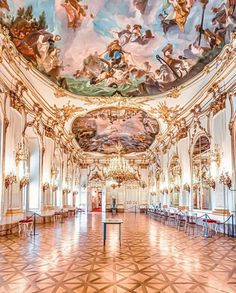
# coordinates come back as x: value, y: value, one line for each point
x: 192, y: 218
x: 180, y: 216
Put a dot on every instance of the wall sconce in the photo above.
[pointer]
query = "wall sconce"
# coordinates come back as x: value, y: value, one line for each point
x: 114, y: 186
x: 211, y: 182
x: 54, y: 188
x: 186, y: 187
x: 176, y: 188
x: 165, y: 190
x: 225, y: 179
x: 66, y: 191
x: 54, y: 171
x: 9, y: 180
x: 24, y: 181
x: 46, y: 186
x: 143, y: 184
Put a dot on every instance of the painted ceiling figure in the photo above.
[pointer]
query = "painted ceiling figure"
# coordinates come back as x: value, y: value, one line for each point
x: 114, y: 53
x: 75, y: 12
x: 134, y: 35
x: 178, y: 14
x: 124, y: 35
x: 42, y: 44
x: 141, y: 5
x: 4, y: 5
x: 225, y: 14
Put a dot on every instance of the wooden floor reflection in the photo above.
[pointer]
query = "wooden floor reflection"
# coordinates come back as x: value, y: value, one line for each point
x: 70, y: 257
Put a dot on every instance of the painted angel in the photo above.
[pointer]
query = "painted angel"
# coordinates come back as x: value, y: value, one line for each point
x: 75, y: 12
x: 179, y: 12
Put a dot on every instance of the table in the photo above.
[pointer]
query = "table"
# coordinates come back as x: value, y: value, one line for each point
x: 109, y: 222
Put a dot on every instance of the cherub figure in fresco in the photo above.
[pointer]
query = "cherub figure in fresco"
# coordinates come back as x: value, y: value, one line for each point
x: 139, y: 37
x: 135, y: 35
x: 124, y: 35
x: 177, y: 15
x: 75, y: 12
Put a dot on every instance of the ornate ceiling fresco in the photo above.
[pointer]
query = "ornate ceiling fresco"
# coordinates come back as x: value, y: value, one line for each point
x: 131, y: 48
x: 102, y: 130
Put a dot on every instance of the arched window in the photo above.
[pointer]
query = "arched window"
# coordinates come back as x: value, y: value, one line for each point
x: 201, y: 162
x: 174, y: 173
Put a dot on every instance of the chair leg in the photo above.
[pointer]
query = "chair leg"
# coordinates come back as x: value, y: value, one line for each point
x: 19, y: 228
x: 30, y: 227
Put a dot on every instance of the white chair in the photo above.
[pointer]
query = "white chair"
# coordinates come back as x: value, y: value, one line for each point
x: 25, y: 226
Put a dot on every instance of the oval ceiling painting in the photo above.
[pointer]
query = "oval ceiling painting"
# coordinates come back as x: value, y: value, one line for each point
x: 127, y: 47
x: 103, y: 130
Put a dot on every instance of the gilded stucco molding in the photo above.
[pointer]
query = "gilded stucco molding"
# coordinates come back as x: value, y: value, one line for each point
x: 218, y: 103
x: 65, y: 113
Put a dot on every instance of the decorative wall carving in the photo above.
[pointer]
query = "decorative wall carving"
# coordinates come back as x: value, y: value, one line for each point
x: 218, y: 103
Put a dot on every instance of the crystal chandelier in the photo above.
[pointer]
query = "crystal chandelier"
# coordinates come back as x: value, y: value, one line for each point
x: 120, y: 170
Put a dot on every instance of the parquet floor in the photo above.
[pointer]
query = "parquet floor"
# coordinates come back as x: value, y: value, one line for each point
x: 70, y: 257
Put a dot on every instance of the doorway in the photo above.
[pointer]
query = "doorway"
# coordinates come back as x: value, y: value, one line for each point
x: 96, y: 200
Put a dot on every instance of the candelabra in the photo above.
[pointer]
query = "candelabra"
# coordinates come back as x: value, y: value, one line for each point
x: 211, y: 182
x: 66, y: 191
x: 225, y: 179
x: 9, y: 180
x: 143, y: 184
x: 54, y: 188
x: 176, y: 188
x: 24, y: 181
x: 186, y: 187
x: 54, y: 171
x: 114, y: 186
x: 46, y: 186
x: 165, y: 190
